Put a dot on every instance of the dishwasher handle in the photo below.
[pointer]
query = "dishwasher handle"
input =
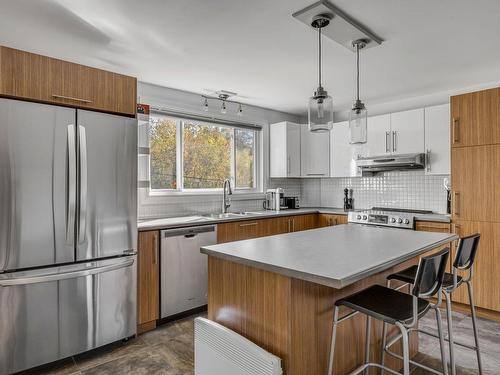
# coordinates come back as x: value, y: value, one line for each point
x: 189, y: 232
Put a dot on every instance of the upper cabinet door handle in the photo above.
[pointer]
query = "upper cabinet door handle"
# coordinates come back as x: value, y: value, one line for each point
x: 71, y: 98
x: 394, y: 138
x: 428, y: 160
x: 387, y: 142
x: 456, y: 130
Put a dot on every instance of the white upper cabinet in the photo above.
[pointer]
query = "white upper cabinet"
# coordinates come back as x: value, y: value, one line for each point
x: 314, y: 153
x: 437, y: 139
x: 379, y: 135
x: 407, y: 132
x: 342, y: 154
x: 284, y: 149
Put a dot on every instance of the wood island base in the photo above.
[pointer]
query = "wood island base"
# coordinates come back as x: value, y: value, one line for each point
x: 292, y: 318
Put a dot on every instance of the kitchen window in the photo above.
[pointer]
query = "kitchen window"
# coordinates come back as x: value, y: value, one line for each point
x: 191, y: 156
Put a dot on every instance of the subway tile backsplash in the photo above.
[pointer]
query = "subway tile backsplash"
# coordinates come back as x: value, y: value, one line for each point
x: 409, y: 189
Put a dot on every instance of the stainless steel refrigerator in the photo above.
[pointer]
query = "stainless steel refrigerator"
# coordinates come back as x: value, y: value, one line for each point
x: 68, y: 229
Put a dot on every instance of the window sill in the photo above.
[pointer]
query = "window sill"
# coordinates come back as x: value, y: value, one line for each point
x: 163, y: 197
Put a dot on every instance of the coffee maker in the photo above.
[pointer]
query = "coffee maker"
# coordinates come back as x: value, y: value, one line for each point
x: 274, y: 199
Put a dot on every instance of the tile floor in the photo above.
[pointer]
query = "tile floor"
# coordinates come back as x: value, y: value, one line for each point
x: 168, y: 350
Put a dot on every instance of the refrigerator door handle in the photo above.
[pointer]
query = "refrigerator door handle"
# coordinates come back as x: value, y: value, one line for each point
x: 82, y: 150
x: 85, y: 269
x: 71, y: 198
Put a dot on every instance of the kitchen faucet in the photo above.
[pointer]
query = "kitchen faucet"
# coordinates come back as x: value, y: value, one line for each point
x: 226, y: 191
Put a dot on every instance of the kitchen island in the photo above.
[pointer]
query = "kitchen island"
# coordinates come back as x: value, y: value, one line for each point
x: 279, y: 291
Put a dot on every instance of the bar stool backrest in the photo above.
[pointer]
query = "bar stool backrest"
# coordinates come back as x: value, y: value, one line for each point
x: 430, y: 274
x: 466, y: 252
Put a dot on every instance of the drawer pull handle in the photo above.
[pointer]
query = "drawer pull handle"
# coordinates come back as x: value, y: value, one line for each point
x: 71, y: 98
x: 456, y: 130
x: 455, y: 202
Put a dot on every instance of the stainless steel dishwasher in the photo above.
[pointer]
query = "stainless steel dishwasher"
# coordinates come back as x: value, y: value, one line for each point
x: 184, y: 268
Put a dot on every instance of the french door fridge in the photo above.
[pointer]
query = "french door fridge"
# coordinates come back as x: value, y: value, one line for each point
x: 68, y: 228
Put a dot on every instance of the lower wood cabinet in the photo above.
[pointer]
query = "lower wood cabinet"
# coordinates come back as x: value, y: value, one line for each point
x: 243, y: 230
x: 328, y: 220
x: 148, y: 280
x: 486, y: 277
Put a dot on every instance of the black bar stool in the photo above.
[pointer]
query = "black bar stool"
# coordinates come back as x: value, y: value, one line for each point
x: 464, y: 261
x: 396, y: 308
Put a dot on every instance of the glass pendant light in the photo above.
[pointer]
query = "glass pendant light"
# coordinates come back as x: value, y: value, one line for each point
x: 358, y: 116
x: 320, y: 108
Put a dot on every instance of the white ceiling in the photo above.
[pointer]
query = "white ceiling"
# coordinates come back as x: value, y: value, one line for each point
x: 257, y: 49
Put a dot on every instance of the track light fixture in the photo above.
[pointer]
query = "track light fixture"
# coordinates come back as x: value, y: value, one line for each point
x: 223, y: 97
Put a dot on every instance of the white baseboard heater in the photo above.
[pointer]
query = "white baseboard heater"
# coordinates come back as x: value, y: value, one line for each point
x: 220, y: 351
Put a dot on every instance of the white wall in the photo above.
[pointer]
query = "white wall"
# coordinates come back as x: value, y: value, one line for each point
x: 177, y: 100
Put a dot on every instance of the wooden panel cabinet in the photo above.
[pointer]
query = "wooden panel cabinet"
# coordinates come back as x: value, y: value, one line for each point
x: 476, y: 183
x: 304, y: 222
x: 244, y: 230
x: 486, y: 278
x: 29, y: 76
x: 475, y: 118
x: 148, y: 282
x: 328, y: 220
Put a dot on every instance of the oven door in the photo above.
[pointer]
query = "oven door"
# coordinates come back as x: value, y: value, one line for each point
x: 53, y: 313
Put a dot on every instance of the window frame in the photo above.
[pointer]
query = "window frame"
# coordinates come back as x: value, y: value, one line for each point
x: 180, y: 190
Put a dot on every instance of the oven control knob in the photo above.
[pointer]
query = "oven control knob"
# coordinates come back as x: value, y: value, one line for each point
x: 393, y: 220
x: 407, y: 221
x: 358, y: 217
x: 365, y: 217
x: 400, y: 220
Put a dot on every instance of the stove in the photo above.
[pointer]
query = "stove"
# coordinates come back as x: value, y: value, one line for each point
x: 386, y: 217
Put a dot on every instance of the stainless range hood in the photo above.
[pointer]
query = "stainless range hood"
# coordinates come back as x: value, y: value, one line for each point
x: 374, y: 164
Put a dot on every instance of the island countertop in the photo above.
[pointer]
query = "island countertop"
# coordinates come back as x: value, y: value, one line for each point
x: 333, y: 256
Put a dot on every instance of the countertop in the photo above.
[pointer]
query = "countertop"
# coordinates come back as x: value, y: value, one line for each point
x: 334, y: 256
x: 189, y: 221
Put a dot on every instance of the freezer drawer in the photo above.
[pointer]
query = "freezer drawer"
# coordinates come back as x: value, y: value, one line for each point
x: 53, y: 313
x: 184, y: 268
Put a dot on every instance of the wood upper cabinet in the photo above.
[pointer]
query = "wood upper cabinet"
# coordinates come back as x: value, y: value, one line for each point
x: 486, y: 278
x: 476, y: 183
x: 148, y: 281
x: 475, y: 118
x: 29, y: 76
x: 328, y: 220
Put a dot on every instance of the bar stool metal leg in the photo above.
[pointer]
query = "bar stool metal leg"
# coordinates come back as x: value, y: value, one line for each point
x: 474, y: 326
x: 367, y: 343
x: 332, y: 345
x: 441, y: 340
x: 447, y: 298
x: 384, y: 338
x: 406, y: 348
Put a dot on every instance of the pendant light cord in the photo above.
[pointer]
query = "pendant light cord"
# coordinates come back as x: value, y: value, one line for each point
x: 357, y: 72
x: 319, y: 49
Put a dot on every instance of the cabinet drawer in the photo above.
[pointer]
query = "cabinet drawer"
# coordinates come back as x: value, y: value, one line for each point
x: 39, y: 78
